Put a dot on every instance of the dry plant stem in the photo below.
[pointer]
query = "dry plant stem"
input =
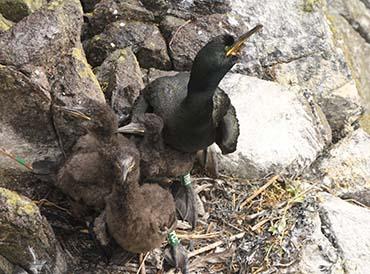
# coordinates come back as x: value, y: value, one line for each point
x: 11, y: 156
x: 142, y: 259
x: 214, y: 245
x: 259, y: 191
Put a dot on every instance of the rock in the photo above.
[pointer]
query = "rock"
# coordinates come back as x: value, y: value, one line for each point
x: 346, y: 167
x: 109, y: 11
x: 15, y: 10
x: 42, y: 37
x: 89, y: 5
x: 279, y: 128
x: 346, y: 227
x: 186, y: 41
x: 296, y: 47
x: 27, y: 240
x: 4, y: 23
x: 145, y: 39
x: 26, y: 128
x: 121, y: 80
x: 350, y: 21
x: 187, y: 8
x: 73, y: 83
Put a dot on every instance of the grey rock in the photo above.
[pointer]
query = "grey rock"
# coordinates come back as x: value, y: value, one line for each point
x: 15, y: 10
x: 145, y: 39
x: 350, y: 22
x: 121, y: 79
x: 25, y: 118
x: 346, y: 226
x: 27, y: 240
x: 279, y: 128
x: 346, y: 167
x: 187, y: 8
x: 43, y: 36
x: 109, y: 11
x: 73, y: 82
x: 187, y: 39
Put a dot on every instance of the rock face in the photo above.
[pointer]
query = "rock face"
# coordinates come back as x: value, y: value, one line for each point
x: 279, y: 128
x: 121, y: 79
x: 15, y: 10
x: 27, y: 240
x: 340, y: 242
x: 43, y: 36
x: 350, y: 21
x: 346, y: 167
x: 145, y: 39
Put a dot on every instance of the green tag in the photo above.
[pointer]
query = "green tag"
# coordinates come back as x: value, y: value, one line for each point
x: 185, y: 180
x: 172, y: 239
x: 21, y: 161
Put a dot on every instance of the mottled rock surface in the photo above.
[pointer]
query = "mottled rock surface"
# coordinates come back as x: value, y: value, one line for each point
x: 121, y: 79
x: 145, y: 39
x: 44, y: 36
x: 350, y: 21
x: 279, y: 128
x: 346, y: 167
x: 27, y: 240
x: 15, y: 10
x: 109, y: 11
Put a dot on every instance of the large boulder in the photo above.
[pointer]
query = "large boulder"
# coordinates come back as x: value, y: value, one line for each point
x: 280, y: 129
x: 145, y: 39
x: 27, y: 241
x: 340, y: 242
x: 44, y: 36
x: 15, y: 10
x: 345, y: 169
x: 121, y: 79
x: 350, y: 22
x: 109, y: 11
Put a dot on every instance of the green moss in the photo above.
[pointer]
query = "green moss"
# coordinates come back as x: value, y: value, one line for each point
x: 4, y: 23
x: 22, y: 205
x: 309, y: 5
x: 83, y: 68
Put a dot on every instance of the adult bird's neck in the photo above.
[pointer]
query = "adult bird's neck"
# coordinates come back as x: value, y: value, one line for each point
x: 202, y: 86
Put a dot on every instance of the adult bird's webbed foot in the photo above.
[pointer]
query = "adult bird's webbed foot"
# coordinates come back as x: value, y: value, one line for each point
x: 185, y: 199
x: 175, y: 254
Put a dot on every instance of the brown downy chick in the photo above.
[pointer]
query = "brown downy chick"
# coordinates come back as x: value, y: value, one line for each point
x: 139, y: 216
x: 87, y: 172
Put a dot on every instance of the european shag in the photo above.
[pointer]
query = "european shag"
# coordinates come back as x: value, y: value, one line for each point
x: 195, y: 111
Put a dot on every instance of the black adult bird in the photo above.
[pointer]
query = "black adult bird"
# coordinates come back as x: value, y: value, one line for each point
x: 195, y: 112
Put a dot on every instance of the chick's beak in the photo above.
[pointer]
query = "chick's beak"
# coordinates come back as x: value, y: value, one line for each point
x: 126, y: 166
x: 238, y: 44
x: 76, y: 113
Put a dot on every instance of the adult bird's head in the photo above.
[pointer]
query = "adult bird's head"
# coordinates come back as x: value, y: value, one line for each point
x: 215, y: 59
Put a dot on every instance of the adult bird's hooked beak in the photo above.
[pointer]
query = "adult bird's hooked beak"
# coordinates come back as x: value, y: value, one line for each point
x: 238, y: 44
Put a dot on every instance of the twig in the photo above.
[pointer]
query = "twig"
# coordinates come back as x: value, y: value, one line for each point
x: 177, y: 31
x: 142, y: 264
x: 199, y: 236
x: 42, y: 202
x: 214, y: 245
x: 259, y: 191
x: 15, y: 158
